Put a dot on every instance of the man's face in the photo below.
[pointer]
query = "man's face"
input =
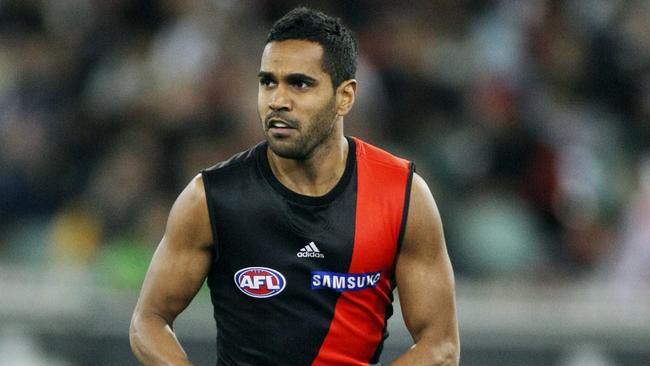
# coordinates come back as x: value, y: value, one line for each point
x: 296, y: 101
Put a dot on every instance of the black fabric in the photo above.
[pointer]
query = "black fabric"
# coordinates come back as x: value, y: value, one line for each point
x: 257, y: 222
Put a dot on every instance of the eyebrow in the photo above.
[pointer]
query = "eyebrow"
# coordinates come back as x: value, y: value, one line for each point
x: 264, y: 75
x: 290, y: 78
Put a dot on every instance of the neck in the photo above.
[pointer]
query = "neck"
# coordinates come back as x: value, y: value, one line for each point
x: 316, y: 175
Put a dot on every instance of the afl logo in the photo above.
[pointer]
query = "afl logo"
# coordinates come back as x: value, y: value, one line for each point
x: 260, y: 281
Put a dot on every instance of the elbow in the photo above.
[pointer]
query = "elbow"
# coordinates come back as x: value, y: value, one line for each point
x: 135, y: 337
x: 133, y: 334
x: 447, y: 354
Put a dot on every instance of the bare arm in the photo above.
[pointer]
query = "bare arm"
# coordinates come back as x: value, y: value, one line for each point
x: 176, y: 273
x: 425, y: 283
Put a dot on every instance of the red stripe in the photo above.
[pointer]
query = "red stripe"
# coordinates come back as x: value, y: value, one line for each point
x: 356, y: 328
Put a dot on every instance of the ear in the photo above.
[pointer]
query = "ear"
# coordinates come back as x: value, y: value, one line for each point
x: 345, y: 94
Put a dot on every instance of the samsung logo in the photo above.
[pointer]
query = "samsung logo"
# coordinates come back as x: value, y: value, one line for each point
x: 343, y: 281
x: 260, y: 281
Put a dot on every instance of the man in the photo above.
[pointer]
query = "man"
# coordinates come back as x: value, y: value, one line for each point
x: 303, y: 237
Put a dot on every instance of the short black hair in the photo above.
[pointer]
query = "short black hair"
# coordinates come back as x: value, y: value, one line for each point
x: 339, y: 45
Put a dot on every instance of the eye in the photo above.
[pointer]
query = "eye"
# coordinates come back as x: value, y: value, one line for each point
x: 267, y: 82
x: 301, y: 84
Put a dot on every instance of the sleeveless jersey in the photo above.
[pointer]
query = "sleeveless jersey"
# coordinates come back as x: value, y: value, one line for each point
x: 301, y: 280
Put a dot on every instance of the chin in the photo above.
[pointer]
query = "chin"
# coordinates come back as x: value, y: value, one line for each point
x: 288, y: 151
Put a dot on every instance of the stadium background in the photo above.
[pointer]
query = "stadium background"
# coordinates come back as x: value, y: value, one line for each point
x: 529, y: 119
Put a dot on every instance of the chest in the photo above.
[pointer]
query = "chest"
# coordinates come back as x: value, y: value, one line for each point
x: 271, y: 231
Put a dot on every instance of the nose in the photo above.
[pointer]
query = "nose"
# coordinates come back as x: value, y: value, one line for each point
x: 280, y: 100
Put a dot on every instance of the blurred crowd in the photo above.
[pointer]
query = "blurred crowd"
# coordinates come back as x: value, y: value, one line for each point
x: 529, y: 119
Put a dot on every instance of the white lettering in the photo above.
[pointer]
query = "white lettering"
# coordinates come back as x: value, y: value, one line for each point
x: 315, y: 280
x: 258, y: 281
x: 344, y: 281
x: 326, y: 281
x: 270, y: 285
x: 246, y: 282
x: 310, y: 255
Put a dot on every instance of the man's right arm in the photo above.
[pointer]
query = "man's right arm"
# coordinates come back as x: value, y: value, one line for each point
x: 177, y: 271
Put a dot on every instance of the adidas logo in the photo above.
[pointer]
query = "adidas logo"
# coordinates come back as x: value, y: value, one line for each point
x: 310, y: 251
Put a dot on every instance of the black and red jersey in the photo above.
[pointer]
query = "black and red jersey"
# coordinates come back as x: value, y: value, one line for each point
x: 301, y: 280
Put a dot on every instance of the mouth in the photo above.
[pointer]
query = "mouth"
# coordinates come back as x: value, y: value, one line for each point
x: 279, y: 124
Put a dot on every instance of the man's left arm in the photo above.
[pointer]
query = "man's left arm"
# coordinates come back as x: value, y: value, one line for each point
x: 425, y: 283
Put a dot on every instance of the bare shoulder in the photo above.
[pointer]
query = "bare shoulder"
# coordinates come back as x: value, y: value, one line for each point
x: 421, y: 196
x: 193, y: 195
x: 189, y: 220
x: 423, y: 221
